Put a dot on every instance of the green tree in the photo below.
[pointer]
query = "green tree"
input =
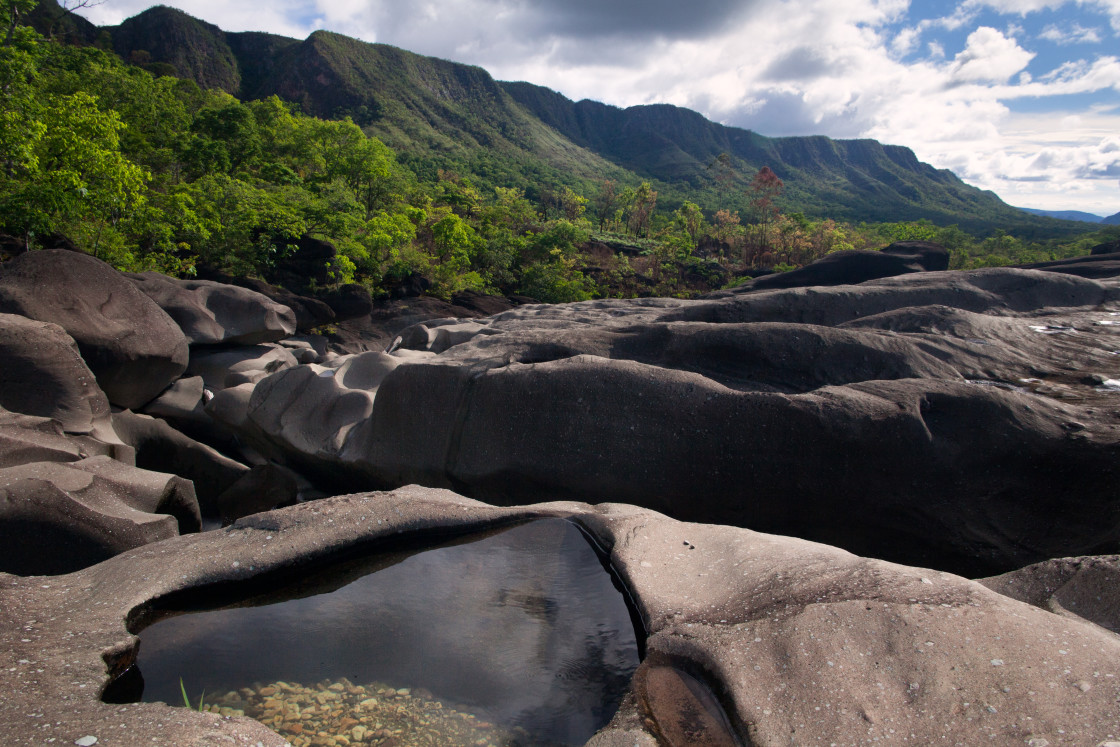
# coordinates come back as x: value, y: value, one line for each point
x: 454, y: 241
x: 230, y: 130
x: 723, y: 174
x: 246, y: 227
x: 572, y: 205
x: 75, y: 171
x: 607, y: 202
x: 690, y: 218
x: 369, y: 169
x: 640, y: 210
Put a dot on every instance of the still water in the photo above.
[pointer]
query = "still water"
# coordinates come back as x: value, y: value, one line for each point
x: 522, y: 631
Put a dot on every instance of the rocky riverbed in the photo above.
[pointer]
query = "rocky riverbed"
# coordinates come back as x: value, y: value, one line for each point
x: 793, y: 482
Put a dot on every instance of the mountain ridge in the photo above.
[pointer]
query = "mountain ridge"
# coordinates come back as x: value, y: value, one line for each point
x: 1077, y: 215
x: 444, y: 115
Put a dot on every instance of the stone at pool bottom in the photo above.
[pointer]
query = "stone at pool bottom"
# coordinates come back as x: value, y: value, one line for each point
x: 341, y: 713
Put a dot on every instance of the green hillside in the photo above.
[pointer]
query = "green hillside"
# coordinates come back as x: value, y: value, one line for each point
x: 441, y: 115
x: 454, y: 183
x: 857, y: 180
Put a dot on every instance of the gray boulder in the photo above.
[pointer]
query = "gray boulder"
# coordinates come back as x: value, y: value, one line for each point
x: 931, y: 256
x: 934, y: 472
x: 1097, y: 265
x: 225, y: 367
x: 226, y: 489
x: 902, y: 418
x: 939, y: 419
x: 263, y: 488
x: 304, y: 415
x: 133, y: 348
x: 43, y: 374
x: 997, y: 291
x: 858, y: 266
x: 211, y: 313
x: 59, y: 517
x: 161, y: 448
x: 29, y: 438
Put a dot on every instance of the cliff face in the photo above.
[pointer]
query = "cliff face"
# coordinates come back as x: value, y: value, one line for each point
x: 851, y: 179
x: 196, y: 49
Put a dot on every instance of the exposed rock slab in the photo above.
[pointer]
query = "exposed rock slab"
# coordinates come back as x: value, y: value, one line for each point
x: 1099, y: 264
x: 211, y: 313
x: 790, y: 637
x: 304, y: 415
x: 30, y: 438
x: 161, y: 448
x: 857, y: 266
x: 376, y: 330
x: 132, y: 346
x: 940, y: 419
x: 43, y: 374
x: 222, y: 367
x: 1084, y: 588
x: 57, y: 517
x: 947, y: 473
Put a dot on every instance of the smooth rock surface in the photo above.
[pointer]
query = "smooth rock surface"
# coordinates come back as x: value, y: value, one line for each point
x: 303, y: 415
x: 839, y: 268
x: 43, y: 374
x: 211, y: 313
x: 857, y: 266
x: 796, y: 641
x: 939, y: 419
x: 161, y: 448
x: 31, y: 438
x: 1085, y: 588
x: 132, y: 346
x: 58, y: 517
x: 224, y: 367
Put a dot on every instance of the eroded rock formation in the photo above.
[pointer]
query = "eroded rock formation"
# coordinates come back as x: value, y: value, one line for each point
x: 790, y: 637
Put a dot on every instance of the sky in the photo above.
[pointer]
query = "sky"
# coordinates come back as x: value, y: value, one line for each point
x: 1021, y: 97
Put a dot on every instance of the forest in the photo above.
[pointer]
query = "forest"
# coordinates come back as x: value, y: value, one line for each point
x: 148, y: 171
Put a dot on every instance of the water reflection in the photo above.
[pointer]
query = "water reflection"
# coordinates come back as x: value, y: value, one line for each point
x: 523, y: 627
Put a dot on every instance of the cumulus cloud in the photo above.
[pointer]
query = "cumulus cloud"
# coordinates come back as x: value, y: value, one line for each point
x: 989, y: 57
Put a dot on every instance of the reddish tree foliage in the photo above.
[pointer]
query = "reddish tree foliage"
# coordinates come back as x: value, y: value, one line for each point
x: 766, y: 187
x: 764, y: 191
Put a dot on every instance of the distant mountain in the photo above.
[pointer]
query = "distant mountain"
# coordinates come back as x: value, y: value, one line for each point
x: 844, y: 179
x: 1066, y: 215
x: 61, y: 25
x: 444, y: 115
x: 1112, y: 220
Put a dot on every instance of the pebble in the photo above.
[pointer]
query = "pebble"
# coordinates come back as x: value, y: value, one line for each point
x: 342, y: 714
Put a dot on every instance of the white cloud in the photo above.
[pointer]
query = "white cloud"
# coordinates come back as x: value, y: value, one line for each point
x: 905, y: 41
x: 1024, y: 7
x: 1075, y: 34
x: 279, y: 16
x: 989, y: 57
